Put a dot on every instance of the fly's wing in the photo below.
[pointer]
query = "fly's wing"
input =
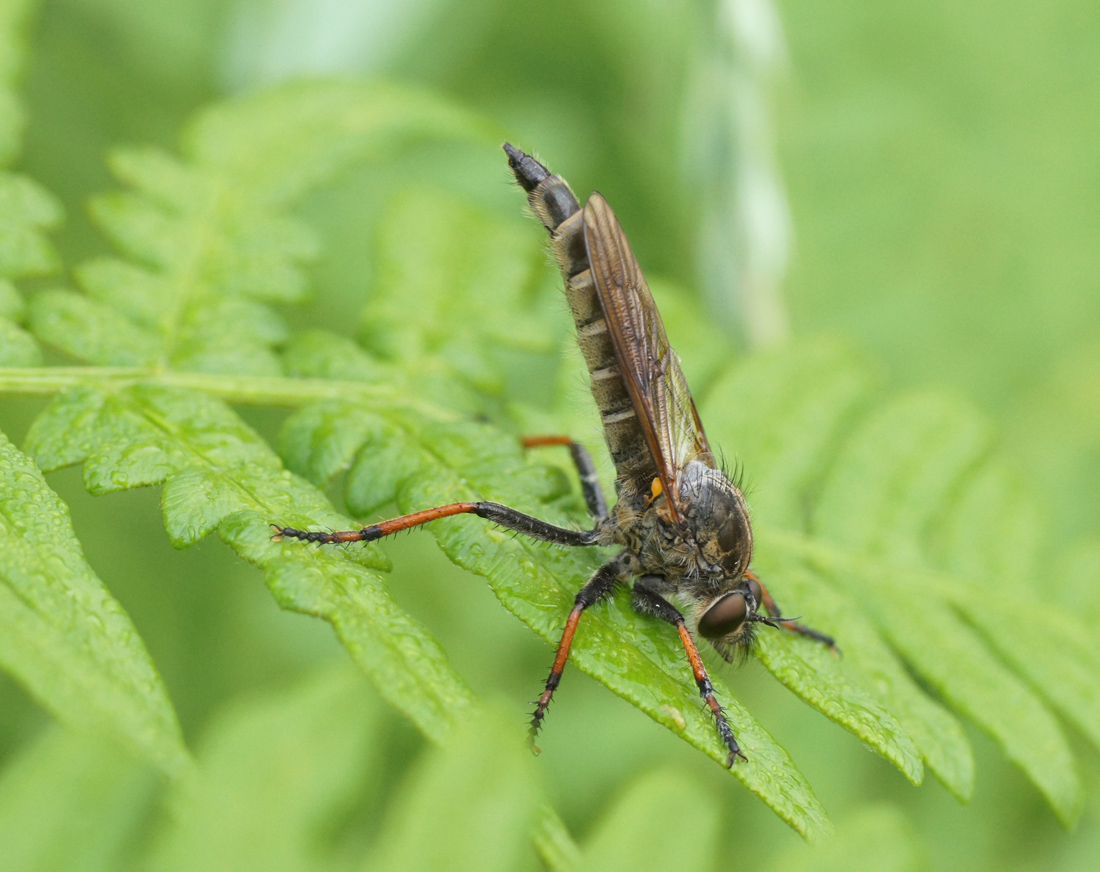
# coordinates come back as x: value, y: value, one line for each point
x: 650, y: 368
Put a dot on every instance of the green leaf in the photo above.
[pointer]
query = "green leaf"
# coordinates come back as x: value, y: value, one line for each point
x: 89, y: 331
x: 874, y: 839
x: 813, y: 674
x: 938, y: 737
x: 479, y: 795
x: 71, y: 802
x: 207, y: 245
x: 321, y: 440
x: 896, y: 473
x: 282, y: 142
x: 627, y: 836
x: 219, y: 475
x: 28, y: 210
x: 1055, y: 654
x: 882, y: 496
x: 17, y: 347
x: 14, y: 15
x: 208, y: 258
x: 272, y: 773
x: 637, y: 659
x: 64, y: 637
x: 320, y: 354
x: 925, y: 448
x: 953, y: 659
x: 471, y: 275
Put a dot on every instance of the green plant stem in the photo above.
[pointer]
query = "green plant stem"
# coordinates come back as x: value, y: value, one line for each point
x: 239, y: 390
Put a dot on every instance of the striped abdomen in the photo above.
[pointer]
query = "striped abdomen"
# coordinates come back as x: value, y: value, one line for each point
x: 556, y: 207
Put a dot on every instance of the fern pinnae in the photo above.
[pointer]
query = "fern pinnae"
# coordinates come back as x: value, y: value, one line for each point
x: 234, y: 486
x: 850, y: 528
x: 64, y: 637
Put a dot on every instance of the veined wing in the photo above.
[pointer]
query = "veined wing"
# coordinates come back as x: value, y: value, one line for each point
x: 650, y: 368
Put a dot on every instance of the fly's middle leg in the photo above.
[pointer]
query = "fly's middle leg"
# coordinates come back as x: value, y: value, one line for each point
x: 586, y: 469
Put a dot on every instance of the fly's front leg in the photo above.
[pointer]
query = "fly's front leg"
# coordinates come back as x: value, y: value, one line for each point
x: 772, y: 609
x: 649, y: 601
x: 586, y: 469
x: 495, y: 512
x: 598, y: 588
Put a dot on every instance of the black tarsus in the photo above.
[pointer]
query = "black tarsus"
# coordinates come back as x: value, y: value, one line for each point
x: 529, y: 172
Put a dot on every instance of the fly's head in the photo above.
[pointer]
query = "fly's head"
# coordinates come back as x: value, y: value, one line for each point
x: 728, y: 621
x: 715, y: 510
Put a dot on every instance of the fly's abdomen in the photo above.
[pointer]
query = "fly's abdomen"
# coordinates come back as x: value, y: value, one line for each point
x: 557, y: 208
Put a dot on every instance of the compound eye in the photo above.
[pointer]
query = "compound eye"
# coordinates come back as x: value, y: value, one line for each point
x: 724, y: 617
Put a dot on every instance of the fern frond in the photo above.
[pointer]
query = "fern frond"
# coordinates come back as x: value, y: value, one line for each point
x: 26, y: 209
x: 415, y: 462
x: 271, y: 769
x: 206, y: 241
x: 876, y: 502
x: 480, y: 794
x: 824, y: 516
x: 626, y: 838
x: 867, y: 510
x: 219, y: 475
x: 62, y: 635
x: 13, y: 24
x: 17, y: 347
x: 471, y: 275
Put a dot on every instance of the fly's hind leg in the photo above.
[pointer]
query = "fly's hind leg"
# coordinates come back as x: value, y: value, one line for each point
x: 586, y: 469
x: 773, y: 611
x: 648, y: 601
x: 494, y: 512
x: 598, y: 588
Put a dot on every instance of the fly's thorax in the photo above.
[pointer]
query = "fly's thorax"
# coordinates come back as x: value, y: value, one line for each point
x: 717, y: 516
x: 643, y: 528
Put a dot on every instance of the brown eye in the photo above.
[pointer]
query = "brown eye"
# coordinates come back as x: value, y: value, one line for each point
x: 724, y: 617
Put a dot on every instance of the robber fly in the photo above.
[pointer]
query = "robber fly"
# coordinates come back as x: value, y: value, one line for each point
x: 681, y: 524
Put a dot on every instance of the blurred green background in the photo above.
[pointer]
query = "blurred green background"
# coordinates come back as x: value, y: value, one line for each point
x: 921, y: 180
